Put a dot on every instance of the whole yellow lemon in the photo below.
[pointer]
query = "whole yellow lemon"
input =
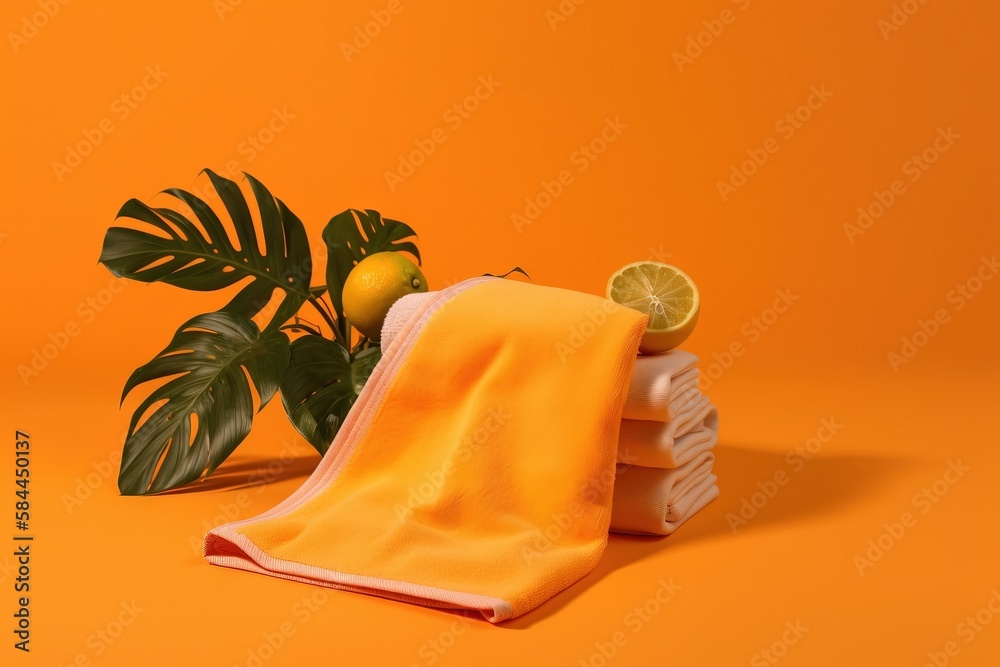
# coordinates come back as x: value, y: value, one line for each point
x: 374, y: 285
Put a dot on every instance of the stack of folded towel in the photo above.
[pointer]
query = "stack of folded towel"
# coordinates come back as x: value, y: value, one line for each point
x: 669, y: 427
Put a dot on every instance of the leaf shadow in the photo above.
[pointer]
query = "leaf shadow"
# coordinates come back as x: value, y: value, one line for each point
x: 824, y: 485
x: 247, y: 473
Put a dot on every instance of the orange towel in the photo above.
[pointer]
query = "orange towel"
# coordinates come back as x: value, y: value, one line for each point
x: 663, y: 387
x: 475, y: 470
x: 670, y: 422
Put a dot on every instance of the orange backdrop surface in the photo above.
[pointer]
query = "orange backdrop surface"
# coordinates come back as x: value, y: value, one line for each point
x: 836, y: 162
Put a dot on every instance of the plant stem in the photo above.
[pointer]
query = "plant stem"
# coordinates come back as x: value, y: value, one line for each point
x: 360, y: 345
x: 329, y: 320
x: 303, y: 327
x: 326, y: 306
x: 346, y: 333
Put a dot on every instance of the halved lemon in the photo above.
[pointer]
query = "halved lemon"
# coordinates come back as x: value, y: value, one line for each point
x: 663, y: 292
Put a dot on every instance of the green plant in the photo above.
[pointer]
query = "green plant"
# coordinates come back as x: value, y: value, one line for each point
x: 204, y: 406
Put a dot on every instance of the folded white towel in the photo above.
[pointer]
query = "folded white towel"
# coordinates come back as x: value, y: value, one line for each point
x: 655, y: 501
x: 669, y: 444
x: 661, y: 384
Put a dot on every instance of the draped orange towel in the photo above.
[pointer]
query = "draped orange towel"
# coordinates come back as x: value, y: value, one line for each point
x: 667, y: 422
x: 485, y: 425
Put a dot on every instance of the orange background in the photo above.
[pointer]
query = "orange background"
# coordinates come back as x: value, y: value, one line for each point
x: 651, y: 194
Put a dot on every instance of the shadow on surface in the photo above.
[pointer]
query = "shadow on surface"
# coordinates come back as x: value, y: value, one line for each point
x: 244, y: 473
x: 823, y: 485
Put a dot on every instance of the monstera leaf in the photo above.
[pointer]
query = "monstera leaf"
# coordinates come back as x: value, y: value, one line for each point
x: 350, y: 237
x: 206, y: 258
x: 200, y: 415
x: 322, y: 384
x: 201, y: 401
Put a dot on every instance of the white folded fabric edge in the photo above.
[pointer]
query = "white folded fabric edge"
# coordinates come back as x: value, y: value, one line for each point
x: 400, y: 313
x: 661, y: 384
x: 669, y: 444
x: 656, y: 501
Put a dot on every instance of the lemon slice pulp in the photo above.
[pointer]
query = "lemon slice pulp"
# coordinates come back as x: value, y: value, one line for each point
x: 665, y: 294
